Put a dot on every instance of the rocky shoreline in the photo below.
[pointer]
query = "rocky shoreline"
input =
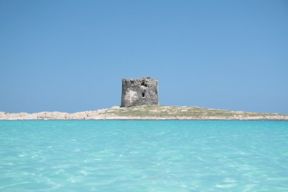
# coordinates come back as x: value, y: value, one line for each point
x: 147, y: 113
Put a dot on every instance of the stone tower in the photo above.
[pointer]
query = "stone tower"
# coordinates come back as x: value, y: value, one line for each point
x: 142, y: 91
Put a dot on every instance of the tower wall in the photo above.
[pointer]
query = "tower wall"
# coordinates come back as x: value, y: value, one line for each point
x: 136, y: 92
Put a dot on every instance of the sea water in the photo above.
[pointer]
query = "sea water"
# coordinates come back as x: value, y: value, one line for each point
x: 143, y: 156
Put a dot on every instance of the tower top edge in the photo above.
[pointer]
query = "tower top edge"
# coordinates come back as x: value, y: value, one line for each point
x: 141, y: 79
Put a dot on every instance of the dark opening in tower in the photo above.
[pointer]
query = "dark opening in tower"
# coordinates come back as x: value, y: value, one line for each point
x: 143, y: 83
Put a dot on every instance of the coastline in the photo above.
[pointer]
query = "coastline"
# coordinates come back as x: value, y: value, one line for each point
x: 146, y: 113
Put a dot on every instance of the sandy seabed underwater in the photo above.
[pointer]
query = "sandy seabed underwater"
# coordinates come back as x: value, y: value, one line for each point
x: 143, y: 156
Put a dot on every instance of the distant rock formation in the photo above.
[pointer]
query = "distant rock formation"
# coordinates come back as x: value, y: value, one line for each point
x: 142, y: 91
x: 147, y: 112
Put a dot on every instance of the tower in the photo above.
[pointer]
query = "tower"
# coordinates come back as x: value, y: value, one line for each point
x: 142, y: 91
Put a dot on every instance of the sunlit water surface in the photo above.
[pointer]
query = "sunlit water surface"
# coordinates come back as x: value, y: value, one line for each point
x: 140, y: 156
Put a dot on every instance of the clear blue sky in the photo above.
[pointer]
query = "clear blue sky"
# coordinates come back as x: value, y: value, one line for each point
x: 71, y: 55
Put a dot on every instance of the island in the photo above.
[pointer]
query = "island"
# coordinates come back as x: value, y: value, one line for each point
x: 147, y: 112
x: 140, y: 100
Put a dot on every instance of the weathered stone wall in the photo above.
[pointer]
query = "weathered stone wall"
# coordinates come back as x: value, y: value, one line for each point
x: 142, y: 91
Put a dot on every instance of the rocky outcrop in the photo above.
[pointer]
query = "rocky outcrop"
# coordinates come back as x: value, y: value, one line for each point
x: 147, y: 112
x: 142, y: 91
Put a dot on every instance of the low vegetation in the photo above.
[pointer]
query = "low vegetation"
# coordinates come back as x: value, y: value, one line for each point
x: 180, y: 112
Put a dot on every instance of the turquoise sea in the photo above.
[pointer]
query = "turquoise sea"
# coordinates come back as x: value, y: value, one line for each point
x: 143, y: 156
